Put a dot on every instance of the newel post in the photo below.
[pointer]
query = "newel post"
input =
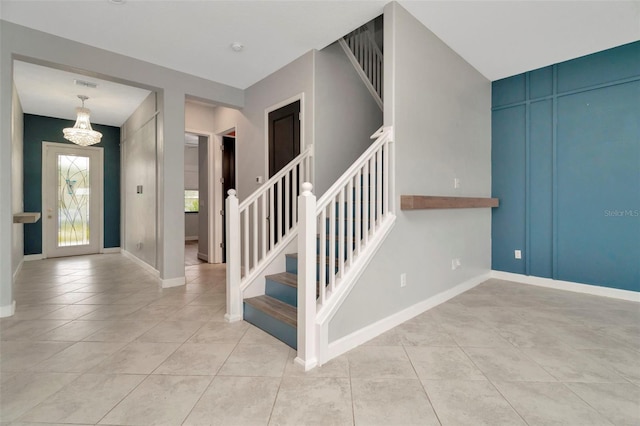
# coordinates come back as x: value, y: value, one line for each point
x: 307, y: 350
x: 232, y: 223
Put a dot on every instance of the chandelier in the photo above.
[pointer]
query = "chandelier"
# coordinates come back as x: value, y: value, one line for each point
x: 81, y: 133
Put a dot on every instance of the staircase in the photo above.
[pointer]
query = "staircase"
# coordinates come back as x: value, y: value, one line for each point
x: 336, y: 235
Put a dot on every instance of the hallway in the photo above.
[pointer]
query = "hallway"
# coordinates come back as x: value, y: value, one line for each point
x: 95, y: 340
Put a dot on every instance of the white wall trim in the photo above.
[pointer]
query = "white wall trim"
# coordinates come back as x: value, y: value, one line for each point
x: 172, y: 282
x: 110, y: 250
x: 18, y: 269
x: 32, y: 257
x: 595, y: 290
x: 191, y: 238
x: 8, y: 310
x: 140, y: 263
x: 203, y: 256
x: 367, y: 333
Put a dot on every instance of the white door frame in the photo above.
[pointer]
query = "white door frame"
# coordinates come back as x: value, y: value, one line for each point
x: 220, y: 222
x: 212, y: 253
x: 97, y: 177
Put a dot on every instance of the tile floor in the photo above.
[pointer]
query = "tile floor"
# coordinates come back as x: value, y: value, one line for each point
x: 95, y: 341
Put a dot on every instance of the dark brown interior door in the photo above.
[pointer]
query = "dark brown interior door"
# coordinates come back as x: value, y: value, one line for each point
x: 284, y: 136
x: 228, y: 181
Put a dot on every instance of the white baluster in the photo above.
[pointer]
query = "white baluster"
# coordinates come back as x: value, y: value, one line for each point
x: 306, y: 333
x: 234, y: 295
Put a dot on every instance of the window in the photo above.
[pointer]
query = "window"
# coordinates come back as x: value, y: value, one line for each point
x: 191, y: 201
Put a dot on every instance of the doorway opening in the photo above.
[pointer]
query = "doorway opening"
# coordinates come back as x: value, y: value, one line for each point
x: 228, y: 146
x: 197, y: 193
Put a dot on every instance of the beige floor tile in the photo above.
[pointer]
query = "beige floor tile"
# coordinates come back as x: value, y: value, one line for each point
x: 23, y: 356
x: 143, y: 406
x: 507, y: 364
x: 74, y: 331
x: 171, y: 331
x: 443, y: 363
x: 573, y: 365
x: 582, y: 337
x: 475, y: 334
x: 70, y: 312
x: 384, y: 362
x: 527, y: 335
x: 31, y: 312
x: 196, y: 359
x: 26, y: 390
x: 85, y: 400
x: 220, y: 332
x: 618, y: 402
x: 320, y: 401
x: 256, y: 360
x: 69, y: 298
x: 473, y: 403
x: 391, y: 401
x: 236, y: 401
x: 29, y: 330
x: 202, y: 313
x: 549, y: 404
x: 121, y: 331
x: 79, y: 357
x: 136, y: 358
x: 625, y: 362
x: 111, y: 312
x: 151, y: 313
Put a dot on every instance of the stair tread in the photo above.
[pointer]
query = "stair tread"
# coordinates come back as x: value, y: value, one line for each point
x: 275, y: 308
x: 285, y: 278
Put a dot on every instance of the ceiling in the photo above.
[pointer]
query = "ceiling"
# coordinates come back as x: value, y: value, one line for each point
x: 499, y: 38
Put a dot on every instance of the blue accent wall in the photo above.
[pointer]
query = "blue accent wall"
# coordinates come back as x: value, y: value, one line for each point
x: 38, y: 129
x: 566, y: 168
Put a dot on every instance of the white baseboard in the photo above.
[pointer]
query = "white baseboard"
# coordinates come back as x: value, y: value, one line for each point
x: 357, y: 338
x: 110, y: 250
x: 30, y: 257
x: 140, y: 262
x: 192, y: 238
x: 173, y: 282
x: 232, y: 318
x: 595, y: 290
x: 203, y: 256
x: 308, y: 365
x: 8, y: 310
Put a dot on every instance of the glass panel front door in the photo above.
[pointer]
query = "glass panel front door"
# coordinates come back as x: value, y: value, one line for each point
x: 74, y: 194
x: 71, y: 199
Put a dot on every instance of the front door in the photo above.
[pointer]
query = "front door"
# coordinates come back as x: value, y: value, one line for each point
x: 71, y: 199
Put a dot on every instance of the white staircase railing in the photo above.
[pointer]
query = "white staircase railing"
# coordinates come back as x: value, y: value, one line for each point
x: 338, y: 235
x: 367, y: 58
x: 260, y: 227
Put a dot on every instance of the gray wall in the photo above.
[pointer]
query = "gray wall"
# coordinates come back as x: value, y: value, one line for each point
x: 251, y: 145
x: 172, y: 87
x: 139, y: 168
x: 17, y: 137
x: 346, y: 116
x: 440, y: 107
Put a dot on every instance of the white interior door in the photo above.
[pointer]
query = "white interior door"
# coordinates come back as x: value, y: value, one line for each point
x: 72, y: 199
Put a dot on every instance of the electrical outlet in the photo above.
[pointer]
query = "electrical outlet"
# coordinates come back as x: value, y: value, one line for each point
x: 403, y: 279
x: 518, y: 254
x: 456, y: 183
x: 455, y: 264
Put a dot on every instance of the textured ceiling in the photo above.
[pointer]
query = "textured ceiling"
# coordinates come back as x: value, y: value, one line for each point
x: 499, y: 38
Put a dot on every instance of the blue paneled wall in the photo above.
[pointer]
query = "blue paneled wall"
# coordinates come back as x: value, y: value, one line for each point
x: 566, y: 167
x: 38, y: 129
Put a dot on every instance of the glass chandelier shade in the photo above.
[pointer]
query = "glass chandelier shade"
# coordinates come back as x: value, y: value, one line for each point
x: 81, y: 133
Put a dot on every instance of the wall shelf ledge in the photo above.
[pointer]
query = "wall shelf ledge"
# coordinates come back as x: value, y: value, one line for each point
x: 429, y: 202
x: 26, y: 217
